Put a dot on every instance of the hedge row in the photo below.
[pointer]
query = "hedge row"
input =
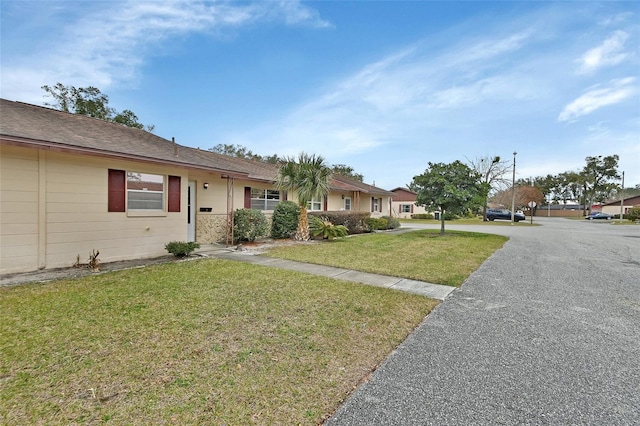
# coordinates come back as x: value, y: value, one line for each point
x: 355, y: 222
x: 250, y: 224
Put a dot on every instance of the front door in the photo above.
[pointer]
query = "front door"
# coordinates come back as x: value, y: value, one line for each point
x: 191, y: 212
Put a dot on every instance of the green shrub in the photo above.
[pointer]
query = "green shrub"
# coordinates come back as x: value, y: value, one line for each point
x: 249, y: 224
x: 392, y: 222
x: 181, y: 248
x: 284, y: 221
x: 377, y: 223
x: 633, y: 214
x: 355, y: 222
x: 325, y: 229
x: 450, y: 216
x: 428, y: 216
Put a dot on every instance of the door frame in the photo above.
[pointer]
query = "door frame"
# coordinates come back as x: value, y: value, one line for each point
x: 191, y: 211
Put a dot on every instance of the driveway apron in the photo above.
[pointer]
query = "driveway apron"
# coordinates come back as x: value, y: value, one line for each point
x: 546, y: 331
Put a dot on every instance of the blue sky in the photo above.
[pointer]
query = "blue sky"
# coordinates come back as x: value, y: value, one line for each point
x: 382, y: 86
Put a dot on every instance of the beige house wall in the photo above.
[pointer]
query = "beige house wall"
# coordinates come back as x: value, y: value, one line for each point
x: 54, y: 208
x: 335, y: 202
x: 395, y: 207
x: 615, y: 210
x: 365, y: 205
x: 19, y: 208
x: 210, y: 226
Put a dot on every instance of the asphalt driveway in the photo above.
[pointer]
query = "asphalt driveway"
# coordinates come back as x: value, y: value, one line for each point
x: 546, y: 331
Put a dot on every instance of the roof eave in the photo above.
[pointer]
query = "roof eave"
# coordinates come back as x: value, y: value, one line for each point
x: 58, y: 147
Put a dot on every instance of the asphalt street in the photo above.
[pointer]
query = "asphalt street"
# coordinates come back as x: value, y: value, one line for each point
x: 546, y: 331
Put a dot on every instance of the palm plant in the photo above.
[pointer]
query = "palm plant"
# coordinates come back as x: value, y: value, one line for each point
x: 308, y: 176
x: 327, y: 230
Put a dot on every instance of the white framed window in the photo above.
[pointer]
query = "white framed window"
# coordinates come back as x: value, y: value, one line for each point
x: 375, y: 204
x: 314, y: 205
x: 405, y: 208
x: 264, y: 199
x: 145, y: 192
x: 347, y: 203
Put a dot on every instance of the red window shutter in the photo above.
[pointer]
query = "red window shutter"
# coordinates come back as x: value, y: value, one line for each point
x: 247, y: 197
x: 372, y: 204
x: 117, y: 190
x: 411, y: 208
x: 284, y: 195
x: 174, y: 194
x: 326, y: 203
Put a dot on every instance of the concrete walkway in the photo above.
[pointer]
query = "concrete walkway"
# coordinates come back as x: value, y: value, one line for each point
x: 545, y: 332
x: 434, y: 291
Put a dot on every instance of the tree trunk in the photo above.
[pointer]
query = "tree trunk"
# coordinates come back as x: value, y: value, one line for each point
x: 302, y: 233
x: 441, y: 222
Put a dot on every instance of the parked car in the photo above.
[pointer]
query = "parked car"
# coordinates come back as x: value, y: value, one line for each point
x: 504, y: 214
x: 599, y: 215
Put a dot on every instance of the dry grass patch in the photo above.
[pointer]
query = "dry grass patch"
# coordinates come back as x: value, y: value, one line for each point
x: 200, y: 342
x: 421, y: 255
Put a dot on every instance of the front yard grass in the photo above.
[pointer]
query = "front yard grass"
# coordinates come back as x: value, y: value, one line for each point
x: 420, y: 255
x: 199, y: 342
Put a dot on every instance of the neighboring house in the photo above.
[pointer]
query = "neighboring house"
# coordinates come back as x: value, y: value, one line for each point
x: 345, y: 194
x: 70, y: 184
x: 349, y: 194
x: 404, y: 205
x: 613, y: 208
x: 560, y: 210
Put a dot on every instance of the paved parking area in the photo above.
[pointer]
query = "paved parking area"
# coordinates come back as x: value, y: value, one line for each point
x: 546, y: 331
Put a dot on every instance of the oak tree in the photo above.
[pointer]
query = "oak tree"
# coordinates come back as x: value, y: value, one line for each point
x: 90, y: 101
x: 452, y: 188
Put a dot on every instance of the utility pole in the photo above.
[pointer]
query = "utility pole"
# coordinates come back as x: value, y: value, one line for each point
x: 513, y: 190
x: 622, y: 199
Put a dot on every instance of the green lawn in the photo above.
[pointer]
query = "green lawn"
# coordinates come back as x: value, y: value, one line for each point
x: 421, y: 255
x: 199, y: 342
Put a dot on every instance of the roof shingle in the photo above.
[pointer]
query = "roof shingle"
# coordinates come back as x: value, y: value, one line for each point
x: 46, y: 128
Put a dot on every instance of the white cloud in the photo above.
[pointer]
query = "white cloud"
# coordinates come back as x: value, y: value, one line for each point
x: 598, y: 97
x: 108, y: 45
x: 487, y: 49
x: 609, y: 53
x: 615, y: 19
x: 408, y: 93
x: 496, y: 88
x: 296, y: 13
